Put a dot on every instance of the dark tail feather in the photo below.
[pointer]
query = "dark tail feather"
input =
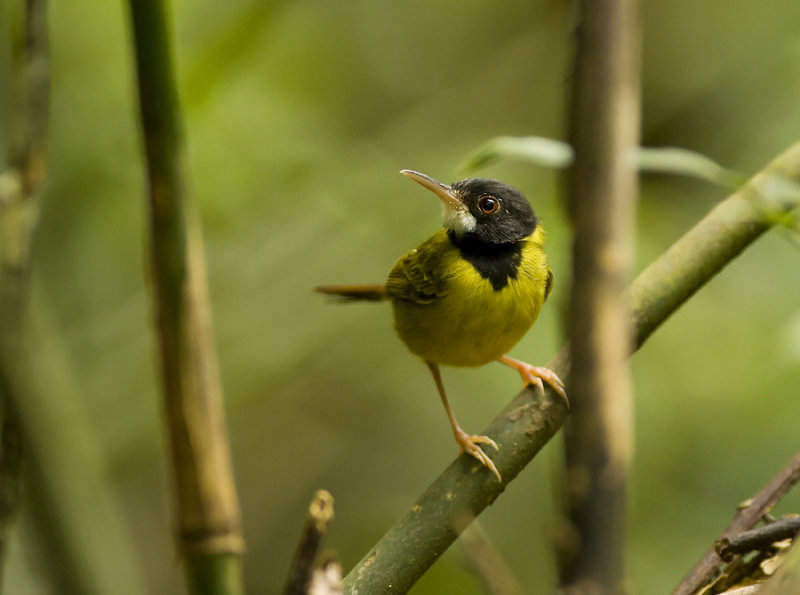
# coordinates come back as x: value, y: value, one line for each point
x: 354, y: 293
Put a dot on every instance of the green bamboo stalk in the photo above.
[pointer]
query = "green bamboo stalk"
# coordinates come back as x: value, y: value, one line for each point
x: 530, y: 420
x: 83, y: 544
x: 81, y: 538
x: 208, y: 515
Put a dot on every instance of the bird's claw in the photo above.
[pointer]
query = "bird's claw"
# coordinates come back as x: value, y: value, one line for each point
x: 469, y: 445
x: 534, y: 375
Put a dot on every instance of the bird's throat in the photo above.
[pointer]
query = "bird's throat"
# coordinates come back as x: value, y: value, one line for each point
x: 497, y: 263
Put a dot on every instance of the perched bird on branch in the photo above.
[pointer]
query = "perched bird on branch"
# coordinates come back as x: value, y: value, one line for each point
x: 470, y: 292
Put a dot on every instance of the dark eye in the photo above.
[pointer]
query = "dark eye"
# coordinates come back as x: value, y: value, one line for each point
x: 488, y: 204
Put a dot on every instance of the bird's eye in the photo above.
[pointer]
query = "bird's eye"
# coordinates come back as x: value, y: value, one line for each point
x: 488, y: 204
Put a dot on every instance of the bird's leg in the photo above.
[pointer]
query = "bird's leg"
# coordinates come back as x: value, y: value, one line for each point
x: 535, y: 374
x: 467, y: 442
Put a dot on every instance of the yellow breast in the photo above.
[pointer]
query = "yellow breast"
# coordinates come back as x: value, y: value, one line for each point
x: 448, y: 313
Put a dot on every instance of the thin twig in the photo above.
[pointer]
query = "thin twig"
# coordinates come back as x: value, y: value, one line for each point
x: 759, y: 539
x: 602, y: 189
x: 746, y: 517
x: 209, y: 524
x: 320, y: 514
x: 527, y: 423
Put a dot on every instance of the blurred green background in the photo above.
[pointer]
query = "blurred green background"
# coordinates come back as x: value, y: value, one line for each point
x: 299, y: 116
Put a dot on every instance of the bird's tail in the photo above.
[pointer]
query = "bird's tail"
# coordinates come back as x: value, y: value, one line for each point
x: 354, y: 293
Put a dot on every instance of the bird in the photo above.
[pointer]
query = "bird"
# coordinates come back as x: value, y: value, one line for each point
x: 471, y: 291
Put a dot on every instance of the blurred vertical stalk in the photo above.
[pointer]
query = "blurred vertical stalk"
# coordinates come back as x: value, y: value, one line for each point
x: 81, y: 539
x: 601, y: 195
x: 20, y: 186
x: 209, y: 525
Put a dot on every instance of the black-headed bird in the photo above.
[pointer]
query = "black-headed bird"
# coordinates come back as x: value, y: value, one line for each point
x: 470, y: 292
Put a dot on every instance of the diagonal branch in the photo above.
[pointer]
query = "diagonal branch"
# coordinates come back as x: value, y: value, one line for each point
x: 528, y: 422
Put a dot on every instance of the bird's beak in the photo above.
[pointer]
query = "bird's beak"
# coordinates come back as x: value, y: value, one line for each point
x: 443, y: 191
x: 455, y: 213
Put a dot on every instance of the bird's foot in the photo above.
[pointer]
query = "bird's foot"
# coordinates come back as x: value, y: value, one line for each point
x: 534, y: 375
x: 469, y: 444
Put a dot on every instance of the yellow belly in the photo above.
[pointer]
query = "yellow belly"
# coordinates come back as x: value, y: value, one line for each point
x: 470, y: 323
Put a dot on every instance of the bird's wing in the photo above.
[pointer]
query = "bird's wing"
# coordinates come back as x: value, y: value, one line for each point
x: 419, y: 275
x: 548, y: 286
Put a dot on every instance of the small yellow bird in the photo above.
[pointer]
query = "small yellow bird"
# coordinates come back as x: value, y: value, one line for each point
x: 469, y: 293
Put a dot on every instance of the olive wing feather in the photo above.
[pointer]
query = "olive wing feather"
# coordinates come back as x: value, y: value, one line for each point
x: 418, y: 276
x: 548, y: 286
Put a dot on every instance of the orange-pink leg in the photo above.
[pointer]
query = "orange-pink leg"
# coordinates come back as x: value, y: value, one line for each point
x: 467, y: 442
x: 535, y: 375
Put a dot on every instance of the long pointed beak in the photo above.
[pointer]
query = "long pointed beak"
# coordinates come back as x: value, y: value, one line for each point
x: 443, y: 191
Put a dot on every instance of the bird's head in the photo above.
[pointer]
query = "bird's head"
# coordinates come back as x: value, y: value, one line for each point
x: 481, y: 209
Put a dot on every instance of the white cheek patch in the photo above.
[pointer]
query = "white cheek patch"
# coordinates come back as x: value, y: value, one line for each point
x: 459, y: 220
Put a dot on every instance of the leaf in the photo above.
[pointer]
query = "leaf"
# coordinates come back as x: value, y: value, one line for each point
x: 542, y: 151
x: 673, y: 160
x: 559, y: 155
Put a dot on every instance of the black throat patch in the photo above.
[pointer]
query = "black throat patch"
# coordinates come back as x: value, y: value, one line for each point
x: 497, y: 263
